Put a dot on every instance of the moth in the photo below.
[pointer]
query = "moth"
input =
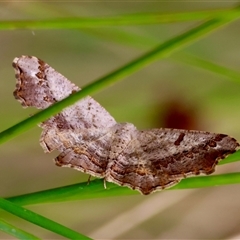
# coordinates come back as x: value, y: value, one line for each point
x: 91, y: 141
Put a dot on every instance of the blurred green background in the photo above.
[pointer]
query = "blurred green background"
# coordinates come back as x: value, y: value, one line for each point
x: 148, y: 98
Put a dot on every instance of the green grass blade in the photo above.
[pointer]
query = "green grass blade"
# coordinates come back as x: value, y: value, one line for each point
x: 130, y: 19
x: 209, y: 181
x: 14, y: 231
x: 96, y: 189
x: 66, y: 193
x: 207, y: 65
x: 163, y: 50
x: 39, y: 220
x: 231, y: 158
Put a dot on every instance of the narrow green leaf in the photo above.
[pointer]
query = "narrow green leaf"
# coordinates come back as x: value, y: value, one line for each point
x: 208, y: 181
x: 207, y: 65
x: 130, y: 19
x: 163, y: 50
x: 96, y: 189
x: 231, y: 158
x: 40, y: 220
x: 15, y: 231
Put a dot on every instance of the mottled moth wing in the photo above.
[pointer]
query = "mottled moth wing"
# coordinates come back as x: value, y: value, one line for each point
x: 39, y: 85
x: 88, y: 151
x: 159, y: 158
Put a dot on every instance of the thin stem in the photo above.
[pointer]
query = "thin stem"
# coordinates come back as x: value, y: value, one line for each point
x: 95, y: 189
x: 15, y: 231
x: 130, y: 19
x: 40, y: 220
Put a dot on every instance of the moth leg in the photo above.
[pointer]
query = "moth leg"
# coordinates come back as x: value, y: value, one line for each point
x: 89, y: 179
x: 104, y: 183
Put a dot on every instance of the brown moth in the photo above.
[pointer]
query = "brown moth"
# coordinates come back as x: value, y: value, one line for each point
x: 91, y: 141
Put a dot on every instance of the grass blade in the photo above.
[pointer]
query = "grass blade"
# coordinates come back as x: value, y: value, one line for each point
x: 128, y: 19
x: 207, y: 65
x: 209, y: 181
x: 14, y: 231
x: 40, y: 220
x: 231, y: 158
x: 96, y: 189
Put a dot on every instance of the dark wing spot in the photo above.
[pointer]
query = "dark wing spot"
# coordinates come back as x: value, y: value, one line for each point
x: 40, y: 75
x: 180, y: 138
x: 212, y: 143
x: 219, y: 137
